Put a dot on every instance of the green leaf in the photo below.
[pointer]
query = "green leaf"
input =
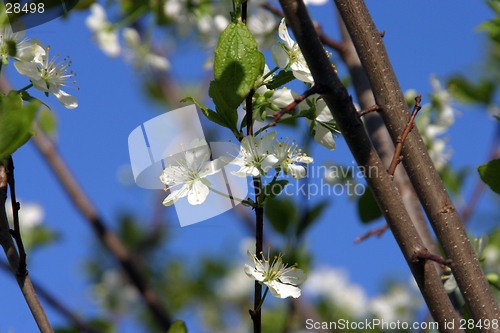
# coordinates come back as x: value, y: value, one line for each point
x: 281, y: 79
x: 28, y: 98
x: 368, y: 209
x: 280, y: 213
x: 237, y: 64
x: 311, y: 217
x: 15, y: 122
x: 274, y: 188
x: 230, y: 115
x: 178, y: 326
x: 480, y: 92
x: 490, y: 174
x: 497, y: 117
x: 47, y: 121
x: 210, y: 114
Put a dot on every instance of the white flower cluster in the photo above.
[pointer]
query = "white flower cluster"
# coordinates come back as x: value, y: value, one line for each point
x: 107, y: 36
x: 434, y: 120
x: 33, y: 61
x: 257, y: 155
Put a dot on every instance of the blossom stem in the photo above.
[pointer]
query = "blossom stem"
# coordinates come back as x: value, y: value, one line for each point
x: 279, y: 121
x: 25, y: 88
x: 262, y: 300
x: 231, y: 197
x: 268, y: 74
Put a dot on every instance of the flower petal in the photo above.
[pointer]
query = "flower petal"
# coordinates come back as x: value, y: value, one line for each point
x: 269, y: 162
x: 253, y: 273
x: 295, y: 277
x: 27, y: 69
x: 280, y: 56
x: 65, y: 99
x: 176, y: 195
x: 198, y: 193
x: 282, y: 290
x: 324, y: 137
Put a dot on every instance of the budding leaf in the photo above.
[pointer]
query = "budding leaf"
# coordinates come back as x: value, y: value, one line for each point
x: 178, y: 326
x: 281, y: 79
x: 238, y: 63
x: 274, y: 188
x: 490, y: 174
x: 15, y: 122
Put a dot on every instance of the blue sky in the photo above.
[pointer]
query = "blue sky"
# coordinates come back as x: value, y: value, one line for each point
x: 422, y: 38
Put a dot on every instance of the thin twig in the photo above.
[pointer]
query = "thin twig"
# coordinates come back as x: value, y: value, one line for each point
x: 316, y: 89
x: 109, y: 239
x: 52, y: 301
x: 368, y: 110
x: 401, y: 139
x: 378, y: 232
x: 16, y: 233
x: 23, y: 281
x: 424, y: 255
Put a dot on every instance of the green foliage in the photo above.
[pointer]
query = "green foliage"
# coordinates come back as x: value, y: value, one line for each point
x: 311, y: 216
x: 281, y: 79
x: 237, y: 65
x: 274, y: 188
x: 490, y: 174
x: 39, y: 236
x: 467, y: 91
x: 178, y: 326
x: 368, y: 208
x: 15, y: 122
x: 453, y: 179
x: 280, y: 213
x: 47, y: 121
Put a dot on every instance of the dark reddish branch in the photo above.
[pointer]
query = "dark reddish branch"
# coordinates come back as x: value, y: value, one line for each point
x: 424, y: 255
x: 368, y: 110
x: 401, y: 139
x: 316, y: 89
x: 374, y: 232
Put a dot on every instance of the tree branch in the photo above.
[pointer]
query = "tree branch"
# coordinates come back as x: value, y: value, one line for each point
x: 107, y: 237
x: 384, y: 190
x: 382, y: 140
x: 23, y: 280
x: 437, y: 204
x: 311, y: 91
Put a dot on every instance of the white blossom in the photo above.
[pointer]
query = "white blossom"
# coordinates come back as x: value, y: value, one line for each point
x: 26, y: 49
x: 103, y: 30
x: 49, y: 76
x: 323, y: 121
x: 191, y: 172
x: 289, y: 155
x: 289, y: 55
x: 140, y: 53
x: 255, y: 156
x: 282, y: 280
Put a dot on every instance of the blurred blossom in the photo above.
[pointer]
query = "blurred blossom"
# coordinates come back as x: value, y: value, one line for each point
x: 333, y: 284
x: 140, y: 53
x: 125, y: 175
x: 434, y: 120
x: 262, y: 25
x: 235, y: 285
x: 491, y: 255
x: 115, y: 294
x: 31, y: 215
x: 315, y: 2
x: 103, y: 30
x: 322, y: 120
x: 185, y: 19
x: 399, y: 304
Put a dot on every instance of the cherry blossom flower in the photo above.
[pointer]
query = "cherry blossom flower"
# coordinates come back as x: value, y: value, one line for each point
x: 289, y: 154
x: 26, y: 49
x: 255, y: 156
x: 103, y: 30
x: 289, y: 56
x: 49, y: 76
x: 322, y: 121
x: 281, y: 279
x: 191, y: 172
